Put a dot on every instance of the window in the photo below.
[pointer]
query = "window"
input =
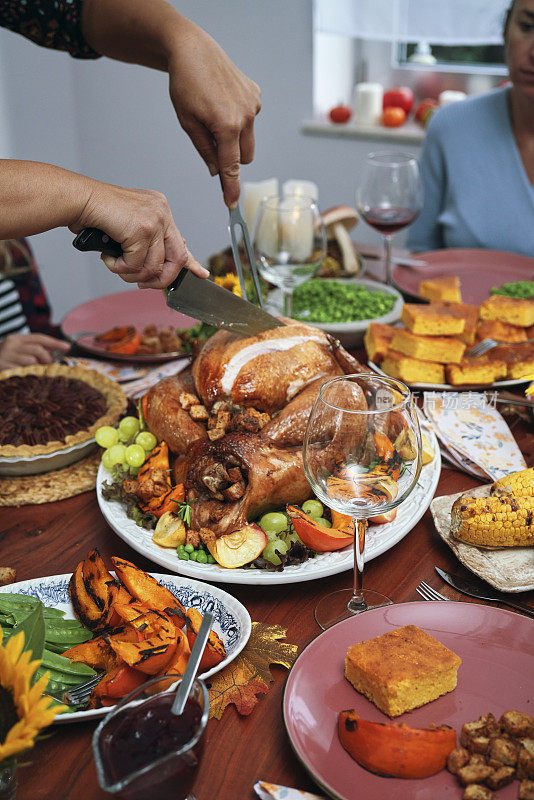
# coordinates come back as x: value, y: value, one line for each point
x: 488, y: 58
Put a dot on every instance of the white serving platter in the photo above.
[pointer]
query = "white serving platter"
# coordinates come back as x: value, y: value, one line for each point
x: 379, y: 538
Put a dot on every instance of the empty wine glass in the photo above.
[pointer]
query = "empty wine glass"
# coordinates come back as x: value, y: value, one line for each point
x: 390, y: 196
x: 362, y: 457
x: 289, y: 242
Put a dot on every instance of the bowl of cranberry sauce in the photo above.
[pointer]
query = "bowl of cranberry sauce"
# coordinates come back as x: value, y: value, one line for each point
x: 142, y: 749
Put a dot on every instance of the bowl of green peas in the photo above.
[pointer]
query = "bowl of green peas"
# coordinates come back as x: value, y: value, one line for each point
x: 343, y: 308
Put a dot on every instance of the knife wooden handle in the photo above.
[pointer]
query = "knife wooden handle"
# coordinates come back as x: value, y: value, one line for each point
x: 95, y: 240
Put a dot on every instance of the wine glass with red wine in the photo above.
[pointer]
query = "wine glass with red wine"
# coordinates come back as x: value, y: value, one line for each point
x: 390, y: 196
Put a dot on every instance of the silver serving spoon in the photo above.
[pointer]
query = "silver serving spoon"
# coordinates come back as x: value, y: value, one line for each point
x: 192, y: 664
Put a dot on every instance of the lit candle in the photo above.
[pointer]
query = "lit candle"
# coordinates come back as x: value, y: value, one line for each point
x: 297, y: 229
x: 368, y: 98
x: 253, y: 194
x: 301, y: 188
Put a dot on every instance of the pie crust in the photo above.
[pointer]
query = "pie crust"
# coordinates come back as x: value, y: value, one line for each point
x: 112, y: 393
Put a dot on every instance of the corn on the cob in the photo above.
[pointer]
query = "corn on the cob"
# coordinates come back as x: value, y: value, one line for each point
x: 503, y: 521
x: 519, y: 484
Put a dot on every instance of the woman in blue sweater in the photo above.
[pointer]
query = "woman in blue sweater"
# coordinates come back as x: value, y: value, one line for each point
x: 478, y: 159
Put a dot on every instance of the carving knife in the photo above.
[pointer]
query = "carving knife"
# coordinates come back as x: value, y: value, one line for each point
x: 196, y: 297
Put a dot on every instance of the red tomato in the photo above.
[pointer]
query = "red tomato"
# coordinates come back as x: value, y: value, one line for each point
x: 393, y: 116
x: 399, y: 97
x: 340, y: 114
x: 425, y: 109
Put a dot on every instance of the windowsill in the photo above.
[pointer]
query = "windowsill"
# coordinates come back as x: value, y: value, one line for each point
x: 409, y: 132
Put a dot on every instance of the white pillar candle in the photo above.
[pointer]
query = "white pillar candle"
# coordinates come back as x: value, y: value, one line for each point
x: 301, y: 188
x: 266, y: 234
x: 253, y: 194
x: 368, y: 98
x: 297, y: 229
x: 450, y: 96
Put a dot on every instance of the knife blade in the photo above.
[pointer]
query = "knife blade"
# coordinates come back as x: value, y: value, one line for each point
x: 472, y: 589
x: 196, y: 297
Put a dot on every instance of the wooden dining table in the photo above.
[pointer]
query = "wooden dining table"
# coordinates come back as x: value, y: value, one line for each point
x: 50, y: 539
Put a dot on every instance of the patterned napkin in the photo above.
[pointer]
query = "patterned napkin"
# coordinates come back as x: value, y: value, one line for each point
x: 473, y: 434
x: 135, y: 380
x: 272, y: 791
x: 138, y: 388
x: 112, y: 370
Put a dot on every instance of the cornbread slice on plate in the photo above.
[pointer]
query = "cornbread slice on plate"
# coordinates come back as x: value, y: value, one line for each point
x: 442, y: 349
x: 402, y: 669
x: 513, y: 310
x: 470, y: 315
x: 410, y: 370
x: 432, y: 320
x: 519, y: 359
x: 500, y: 331
x: 483, y: 370
x: 442, y: 289
x: 377, y: 340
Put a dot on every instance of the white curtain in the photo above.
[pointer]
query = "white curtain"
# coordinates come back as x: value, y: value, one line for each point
x: 459, y: 22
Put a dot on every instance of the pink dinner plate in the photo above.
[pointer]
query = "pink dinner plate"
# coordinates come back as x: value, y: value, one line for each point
x: 478, y: 270
x: 139, y: 307
x: 496, y: 674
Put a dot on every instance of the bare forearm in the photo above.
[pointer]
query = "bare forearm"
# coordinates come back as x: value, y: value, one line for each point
x: 36, y: 197
x: 135, y: 31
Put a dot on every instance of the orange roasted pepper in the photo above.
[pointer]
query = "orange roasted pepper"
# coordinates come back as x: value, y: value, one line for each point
x: 116, y: 684
x: 214, y: 651
x: 165, y: 502
x: 127, y: 346
x: 394, y: 749
x: 317, y: 537
x: 116, y: 334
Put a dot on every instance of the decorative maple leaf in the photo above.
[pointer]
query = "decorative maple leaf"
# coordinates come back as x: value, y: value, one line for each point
x: 250, y: 674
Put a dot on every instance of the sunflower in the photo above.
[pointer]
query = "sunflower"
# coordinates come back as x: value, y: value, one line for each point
x: 23, y: 709
x: 230, y: 282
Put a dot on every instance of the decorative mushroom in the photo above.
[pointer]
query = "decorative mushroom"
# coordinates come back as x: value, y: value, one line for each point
x: 338, y: 221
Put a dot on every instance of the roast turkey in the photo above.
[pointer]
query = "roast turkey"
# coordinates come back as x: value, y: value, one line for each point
x: 232, y: 475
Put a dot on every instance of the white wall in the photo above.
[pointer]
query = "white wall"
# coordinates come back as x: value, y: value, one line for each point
x: 115, y: 122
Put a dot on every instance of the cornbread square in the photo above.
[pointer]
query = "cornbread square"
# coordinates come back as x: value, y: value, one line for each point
x: 514, y: 310
x: 500, y: 331
x: 441, y: 289
x: 519, y: 359
x: 377, y: 340
x: 402, y: 669
x: 442, y: 349
x: 400, y: 366
x: 481, y: 370
x: 470, y: 315
x: 432, y: 320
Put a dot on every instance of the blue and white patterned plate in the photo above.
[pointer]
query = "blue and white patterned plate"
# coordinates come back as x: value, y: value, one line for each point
x: 232, y: 620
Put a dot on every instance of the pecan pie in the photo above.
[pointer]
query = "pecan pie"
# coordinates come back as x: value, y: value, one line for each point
x: 48, y: 407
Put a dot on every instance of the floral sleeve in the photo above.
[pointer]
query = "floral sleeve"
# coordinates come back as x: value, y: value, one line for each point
x: 50, y: 23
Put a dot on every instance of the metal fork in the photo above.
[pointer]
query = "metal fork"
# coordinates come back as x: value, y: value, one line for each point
x: 80, y: 694
x: 428, y: 593
x: 488, y: 344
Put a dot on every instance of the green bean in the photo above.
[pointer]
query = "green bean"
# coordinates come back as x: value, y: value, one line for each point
x: 53, y: 661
